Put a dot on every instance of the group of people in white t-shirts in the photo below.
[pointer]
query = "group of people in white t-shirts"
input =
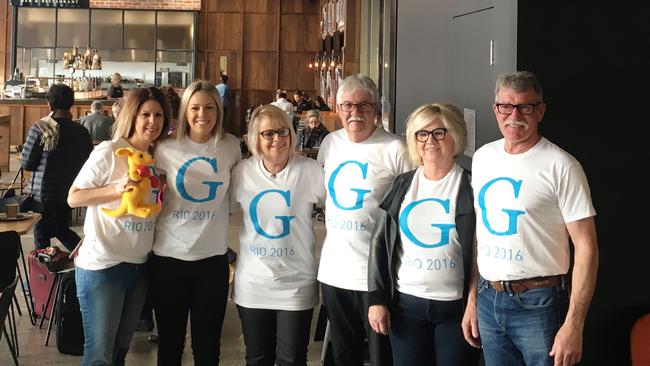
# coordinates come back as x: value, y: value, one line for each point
x: 398, y: 256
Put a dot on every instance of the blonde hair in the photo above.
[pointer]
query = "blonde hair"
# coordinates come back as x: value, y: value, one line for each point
x: 450, y: 116
x: 183, y: 128
x: 124, y: 126
x: 268, y: 112
x: 314, y: 113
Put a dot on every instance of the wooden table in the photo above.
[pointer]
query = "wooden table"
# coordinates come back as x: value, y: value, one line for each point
x: 20, y: 226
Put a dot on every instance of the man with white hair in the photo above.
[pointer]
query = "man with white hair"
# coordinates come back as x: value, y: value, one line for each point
x: 361, y: 161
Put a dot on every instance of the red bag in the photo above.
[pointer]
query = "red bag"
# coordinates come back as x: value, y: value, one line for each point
x: 43, y: 265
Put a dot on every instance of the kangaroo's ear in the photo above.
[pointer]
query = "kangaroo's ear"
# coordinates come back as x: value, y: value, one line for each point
x: 124, y: 151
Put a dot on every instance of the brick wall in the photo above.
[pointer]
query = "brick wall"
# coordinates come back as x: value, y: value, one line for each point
x: 147, y: 4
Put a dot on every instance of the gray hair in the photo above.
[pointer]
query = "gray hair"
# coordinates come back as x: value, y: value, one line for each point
x: 207, y: 87
x: 356, y: 82
x: 97, y: 106
x: 519, y: 81
x: 451, y: 117
x: 271, y: 112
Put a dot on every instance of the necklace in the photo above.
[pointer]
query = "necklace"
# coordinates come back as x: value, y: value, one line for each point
x: 274, y: 175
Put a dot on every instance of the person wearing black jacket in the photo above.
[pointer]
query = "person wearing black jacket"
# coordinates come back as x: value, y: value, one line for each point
x: 421, y: 250
x: 55, y: 150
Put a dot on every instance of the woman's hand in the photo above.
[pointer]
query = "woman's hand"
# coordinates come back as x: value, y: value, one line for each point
x: 123, y: 185
x: 379, y: 318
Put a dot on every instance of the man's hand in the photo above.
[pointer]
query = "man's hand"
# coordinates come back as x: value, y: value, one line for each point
x: 379, y: 318
x: 567, y: 348
x: 470, y: 325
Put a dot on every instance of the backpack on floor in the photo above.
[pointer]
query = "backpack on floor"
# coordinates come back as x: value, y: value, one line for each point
x: 69, y: 327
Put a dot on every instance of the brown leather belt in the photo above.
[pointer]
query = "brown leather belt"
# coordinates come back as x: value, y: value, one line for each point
x: 518, y: 286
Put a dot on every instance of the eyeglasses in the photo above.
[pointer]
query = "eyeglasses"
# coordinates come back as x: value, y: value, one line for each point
x: 270, y: 134
x: 524, y: 109
x: 437, y: 134
x: 363, y: 106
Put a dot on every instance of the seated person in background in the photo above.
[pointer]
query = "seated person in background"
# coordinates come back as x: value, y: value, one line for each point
x: 174, y: 101
x: 302, y: 103
x: 282, y: 102
x: 116, y: 108
x: 314, y: 132
x: 319, y: 103
x: 99, y: 125
x: 115, y: 90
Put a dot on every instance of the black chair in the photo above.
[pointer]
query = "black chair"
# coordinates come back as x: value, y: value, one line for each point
x: 5, y: 303
x: 11, y: 241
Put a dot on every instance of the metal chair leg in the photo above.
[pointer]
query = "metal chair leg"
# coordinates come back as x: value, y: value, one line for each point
x: 11, y: 348
x: 57, y: 283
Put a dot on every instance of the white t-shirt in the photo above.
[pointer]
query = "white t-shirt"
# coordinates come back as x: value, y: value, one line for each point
x: 193, y: 223
x: 276, y: 267
x: 357, y: 175
x: 284, y: 104
x: 110, y: 241
x: 431, y: 257
x: 523, y: 202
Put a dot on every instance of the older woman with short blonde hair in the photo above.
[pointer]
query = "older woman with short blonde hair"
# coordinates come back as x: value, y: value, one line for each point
x: 275, y: 282
x: 420, y: 255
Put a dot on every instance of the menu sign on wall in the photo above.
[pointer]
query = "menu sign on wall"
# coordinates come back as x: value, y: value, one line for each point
x: 79, y: 4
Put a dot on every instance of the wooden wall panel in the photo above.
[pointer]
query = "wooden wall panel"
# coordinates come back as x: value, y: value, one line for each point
x: 299, y: 6
x: 203, y: 31
x: 201, y: 65
x: 294, y: 73
x: 224, y: 5
x: 260, y: 32
x: 213, y: 67
x: 260, y: 70
x: 261, y: 6
x: 5, y: 43
x: 225, y: 31
x: 299, y: 32
x: 257, y: 97
x: 16, y: 113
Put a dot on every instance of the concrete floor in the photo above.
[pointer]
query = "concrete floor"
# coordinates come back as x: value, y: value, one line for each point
x: 142, y: 352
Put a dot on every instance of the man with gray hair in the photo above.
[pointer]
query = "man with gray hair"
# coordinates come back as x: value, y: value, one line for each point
x: 99, y: 125
x: 361, y: 161
x: 533, y: 200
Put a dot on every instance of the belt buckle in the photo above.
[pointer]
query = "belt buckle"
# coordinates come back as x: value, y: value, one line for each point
x: 542, y: 283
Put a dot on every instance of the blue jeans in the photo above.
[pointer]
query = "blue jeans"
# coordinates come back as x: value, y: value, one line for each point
x: 427, y: 332
x: 519, y: 328
x: 111, y: 300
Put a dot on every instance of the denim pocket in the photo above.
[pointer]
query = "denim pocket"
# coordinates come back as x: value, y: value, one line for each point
x: 482, y: 284
x: 538, y: 298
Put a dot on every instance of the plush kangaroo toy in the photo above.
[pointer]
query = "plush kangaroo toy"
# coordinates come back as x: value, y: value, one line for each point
x: 141, y: 179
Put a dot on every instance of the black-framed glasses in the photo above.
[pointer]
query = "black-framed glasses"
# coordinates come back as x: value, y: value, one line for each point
x: 363, y: 106
x: 437, y: 134
x: 526, y: 108
x: 270, y: 134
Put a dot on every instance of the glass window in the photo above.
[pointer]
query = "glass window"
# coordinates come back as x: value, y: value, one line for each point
x: 139, y: 29
x: 72, y: 28
x: 106, y: 29
x: 36, y: 27
x: 175, y: 30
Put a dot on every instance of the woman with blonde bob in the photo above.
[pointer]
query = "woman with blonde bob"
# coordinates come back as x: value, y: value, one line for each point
x: 275, y: 282
x: 110, y: 274
x: 314, y: 132
x: 189, y: 259
x: 420, y: 257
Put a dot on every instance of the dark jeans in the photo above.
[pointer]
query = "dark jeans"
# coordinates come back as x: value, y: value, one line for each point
x: 274, y: 336
x: 347, y: 312
x: 54, y: 223
x: 179, y: 288
x: 427, y: 332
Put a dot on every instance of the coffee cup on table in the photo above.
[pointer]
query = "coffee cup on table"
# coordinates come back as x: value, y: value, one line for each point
x: 12, y: 210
